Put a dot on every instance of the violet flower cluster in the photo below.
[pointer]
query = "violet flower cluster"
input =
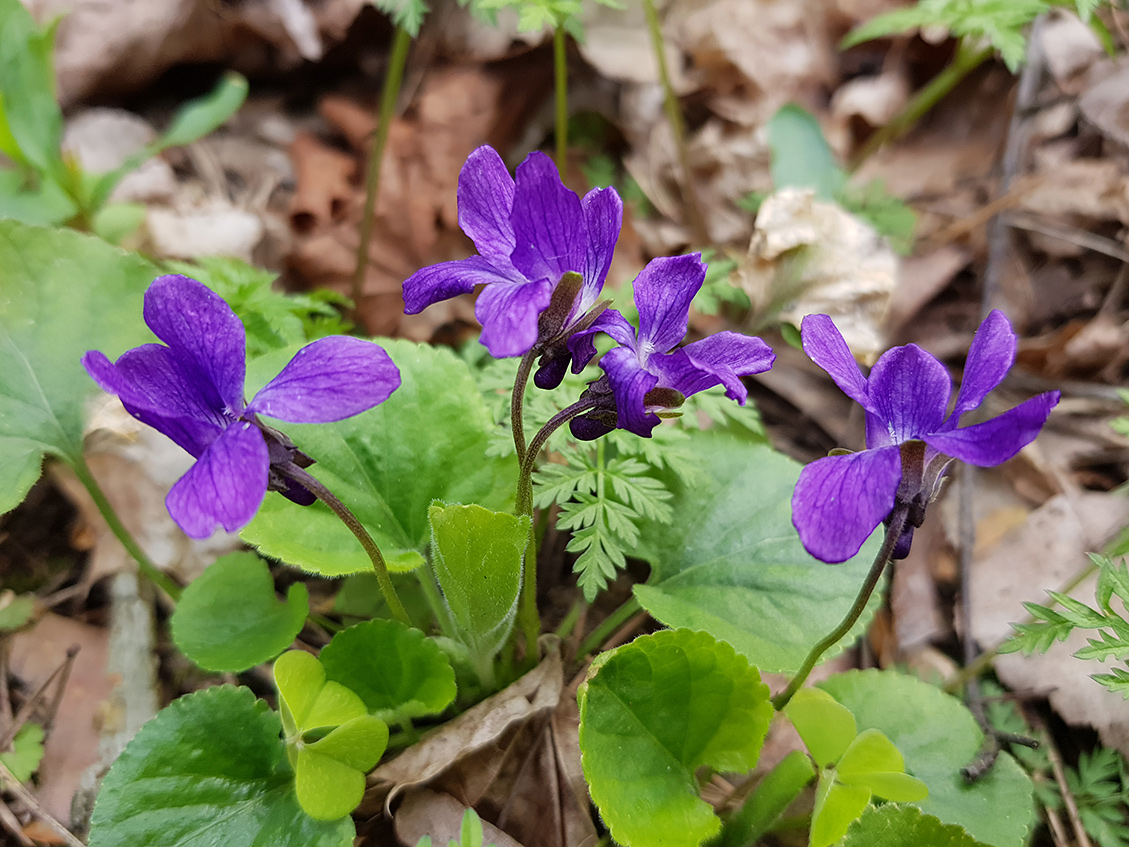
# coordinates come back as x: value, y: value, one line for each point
x: 191, y: 389
x: 839, y: 500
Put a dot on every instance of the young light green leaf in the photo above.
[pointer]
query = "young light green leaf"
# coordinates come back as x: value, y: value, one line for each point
x: 937, y: 736
x: 211, y: 758
x: 477, y: 555
x: 26, y: 753
x: 31, y: 121
x: 773, y: 794
x: 62, y: 293
x: 407, y: 14
x: 397, y: 671
x: 15, y: 610
x: 836, y: 806
x: 425, y: 443
x: 825, y: 726
x: 651, y: 714
x: 230, y: 619
x: 309, y: 700
x: 732, y: 563
x: 894, y: 825
x: 801, y: 157
x: 330, y: 773
x: 874, y: 763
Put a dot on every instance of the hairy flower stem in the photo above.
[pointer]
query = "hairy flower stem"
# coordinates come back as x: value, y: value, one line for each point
x: 528, y: 618
x: 608, y: 627
x: 315, y: 487
x: 893, y: 533
x: 149, y: 570
x: 517, y: 404
x: 964, y: 62
x: 560, y: 78
x: 388, y: 99
x: 677, y: 126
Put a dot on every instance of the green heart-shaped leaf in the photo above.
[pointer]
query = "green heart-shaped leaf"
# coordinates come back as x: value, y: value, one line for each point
x: 826, y: 727
x: 653, y: 712
x: 873, y: 762
x: 309, y: 700
x: 426, y: 442
x: 331, y: 772
x: 732, y: 564
x: 396, y: 670
x: 229, y: 618
x: 892, y: 825
x: 209, y: 760
x: 937, y: 736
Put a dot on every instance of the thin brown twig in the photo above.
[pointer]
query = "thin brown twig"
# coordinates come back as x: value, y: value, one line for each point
x: 8, y: 732
x: 9, y: 783
x: 1068, y: 800
x: 11, y: 823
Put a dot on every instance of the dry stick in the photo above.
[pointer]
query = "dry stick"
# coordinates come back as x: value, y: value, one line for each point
x: 1064, y: 789
x: 9, y: 782
x: 24, y: 714
x: 388, y: 98
x: 999, y: 245
x: 379, y: 566
x: 673, y: 111
x: 11, y: 823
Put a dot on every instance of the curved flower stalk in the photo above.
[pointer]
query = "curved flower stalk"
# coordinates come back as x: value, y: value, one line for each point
x: 539, y: 245
x: 646, y: 377
x: 839, y: 500
x: 191, y: 389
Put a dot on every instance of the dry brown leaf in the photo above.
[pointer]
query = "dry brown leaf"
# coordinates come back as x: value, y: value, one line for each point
x: 325, y: 181
x: 1103, y: 104
x: 1091, y: 188
x: 1043, y: 554
x: 425, y: 812
x: 923, y: 278
x: 1069, y: 46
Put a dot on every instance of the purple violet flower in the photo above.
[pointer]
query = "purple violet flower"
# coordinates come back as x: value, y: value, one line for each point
x: 839, y: 500
x: 646, y: 376
x: 529, y: 233
x: 192, y: 391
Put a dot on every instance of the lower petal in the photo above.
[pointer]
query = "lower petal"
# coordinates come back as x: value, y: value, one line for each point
x: 508, y: 314
x: 722, y: 358
x: 839, y: 500
x: 450, y: 279
x: 995, y: 441
x: 630, y: 383
x: 225, y: 487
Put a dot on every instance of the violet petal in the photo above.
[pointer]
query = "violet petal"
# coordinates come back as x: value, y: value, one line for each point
x: 909, y: 390
x: 449, y: 279
x: 225, y: 487
x: 486, y: 197
x: 825, y: 346
x: 997, y: 440
x: 548, y: 223
x: 508, y: 314
x: 328, y: 380
x: 201, y: 329
x: 603, y: 219
x: 194, y: 436
x: 839, y: 500
x: 663, y: 291
x: 630, y: 383
x: 610, y: 322
x: 724, y: 358
x: 989, y: 359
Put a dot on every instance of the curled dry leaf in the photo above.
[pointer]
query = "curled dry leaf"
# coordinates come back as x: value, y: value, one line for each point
x: 426, y: 812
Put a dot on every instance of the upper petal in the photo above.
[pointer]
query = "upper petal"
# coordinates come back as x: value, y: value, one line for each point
x: 549, y: 231
x: 225, y: 487
x: 998, y: 439
x: 989, y: 359
x: 630, y: 383
x: 201, y: 329
x: 839, y: 500
x: 825, y: 346
x: 723, y: 357
x: 486, y: 198
x: 603, y: 219
x: 508, y: 314
x: 909, y: 390
x: 450, y: 279
x: 663, y: 291
x: 328, y: 380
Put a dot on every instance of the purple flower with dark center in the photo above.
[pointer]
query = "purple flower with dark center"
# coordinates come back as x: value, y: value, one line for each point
x: 530, y: 233
x: 839, y: 500
x: 646, y: 377
x: 192, y: 391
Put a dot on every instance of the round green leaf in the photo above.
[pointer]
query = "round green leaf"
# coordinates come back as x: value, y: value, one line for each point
x: 209, y: 769
x: 893, y: 825
x: 836, y: 805
x: 61, y: 293
x: 937, y: 736
x: 652, y: 713
x: 229, y: 619
x: 395, y: 669
x: 826, y: 727
x: 327, y: 788
x: 426, y: 442
x: 732, y: 564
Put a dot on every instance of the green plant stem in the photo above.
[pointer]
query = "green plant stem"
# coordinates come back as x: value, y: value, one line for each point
x: 885, y: 553
x: 608, y: 626
x: 527, y: 616
x: 570, y: 619
x: 981, y: 663
x: 149, y: 570
x: 677, y: 125
x: 517, y: 404
x: 379, y: 566
x: 560, y: 78
x: 388, y: 99
x: 966, y: 60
